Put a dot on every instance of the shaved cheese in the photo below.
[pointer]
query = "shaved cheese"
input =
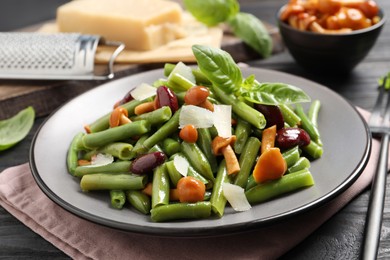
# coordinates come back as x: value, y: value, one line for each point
x: 143, y: 91
x: 196, y: 116
x: 101, y: 159
x: 181, y: 165
x: 223, y: 120
x: 235, y: 195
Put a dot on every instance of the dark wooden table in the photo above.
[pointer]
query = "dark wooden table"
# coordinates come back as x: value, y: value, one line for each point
x: 339, y: 238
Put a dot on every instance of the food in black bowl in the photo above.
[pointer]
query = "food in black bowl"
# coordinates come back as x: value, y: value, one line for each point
x: 330, y: 36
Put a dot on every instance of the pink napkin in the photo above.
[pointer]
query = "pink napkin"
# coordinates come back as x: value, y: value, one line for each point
x: 81, y: 239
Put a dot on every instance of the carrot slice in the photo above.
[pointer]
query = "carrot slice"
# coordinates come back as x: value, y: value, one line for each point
x: 268, y: 138
x: 270, y: 166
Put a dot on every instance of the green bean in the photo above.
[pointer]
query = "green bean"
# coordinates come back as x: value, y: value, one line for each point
x: 200, y: 78
x: 156, y: 148
x: 288, y: 183
x: 289, y: 116
x: 181, y: 211
x: 243, y: 130
x: 241, y: 109
x: 139, y: 201
x: 73, y: 152
x: 174, y: 174
x: 112, y: 168
x: 291, y: 156
x: 155, y: 117
x: 302, y: 163
x: 99, y: 139
x: 306, y: 124
x: 138, y: 147
x: 250, y: 183
x: 163, y: 132
x: 314, y: 110
x: 218, y: 200
x: 118, y: 149
x: 118, y: 198
x: 314, y: 150
x: 204, y: 143
x: 197, y: 160
x: 160, y: 187
x: 105, y: 181
x: 170, y: 146
x: 103, y: 122
x: 247, y: 161
x: 178, y: 82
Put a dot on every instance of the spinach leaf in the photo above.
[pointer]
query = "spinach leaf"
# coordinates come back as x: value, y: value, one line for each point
x: 212, y: 12
x: 14, y: 129
x: 252, y: 31
x: 274, y: 94
x: 219, y: 67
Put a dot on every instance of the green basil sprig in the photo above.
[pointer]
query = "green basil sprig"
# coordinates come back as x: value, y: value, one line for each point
x: 245, y: 26
x: 14, y: 129
x: 212, y: 12
x: 220, y: 68
x: 252, y: 31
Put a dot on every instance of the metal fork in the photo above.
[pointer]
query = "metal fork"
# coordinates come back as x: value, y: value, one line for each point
x: 379, y: 124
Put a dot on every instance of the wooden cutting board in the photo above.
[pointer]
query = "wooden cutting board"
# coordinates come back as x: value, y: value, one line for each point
x: 46, y: 96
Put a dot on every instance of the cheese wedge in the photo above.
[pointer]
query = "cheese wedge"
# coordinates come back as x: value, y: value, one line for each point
x: 140, y: 24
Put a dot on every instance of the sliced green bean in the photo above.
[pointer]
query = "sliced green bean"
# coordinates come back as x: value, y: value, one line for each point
x: 247, y: 161
x: 181, y: 211
x: 105, y: 181
x: 112, y: 168
x: 314, y: 150
x: 242, y: 132
x: 218, y: 200
x: 174, y: 174
x: 291, y: 156
x: 200, y: 78
x: 156, y: 148
x: 250, y: 183
x: 139, y: 201
x: 241, y: 109
x: 302, y: 163
x: 170, y: 146
x: 197, y: 160
x: 72, y: 156
x: 306, y: 124
x: 160, y: 187
x: 204, y: 143
x: 118, y: 198
x: 289, y: 116
x: 139, y: 146
x: 288, y: 183
x: 155, y: 117
x: 163, y: 132
x: 119, y: 150
x: 103, y: 122
x: 193, y: 173
x: 122, y: 132
x: 313, y: 112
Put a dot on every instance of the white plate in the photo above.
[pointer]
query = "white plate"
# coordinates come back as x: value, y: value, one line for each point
x: 347, y: 145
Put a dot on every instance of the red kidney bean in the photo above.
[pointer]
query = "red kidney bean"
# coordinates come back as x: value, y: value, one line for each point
x: 145, y: 164
x: 127, y: 98
x: 272, y: 115
x: 291, y: 136
x: 166, y: 97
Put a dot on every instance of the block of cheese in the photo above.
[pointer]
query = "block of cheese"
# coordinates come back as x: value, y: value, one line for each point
x: 139, y: 24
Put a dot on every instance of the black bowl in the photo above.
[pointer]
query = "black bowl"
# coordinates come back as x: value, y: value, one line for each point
x: 329, y: 53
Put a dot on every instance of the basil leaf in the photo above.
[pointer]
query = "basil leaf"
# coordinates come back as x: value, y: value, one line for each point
x: 274, y: 94
x: 14, y: 129
x: 219, y: 67
x: 252, y: 31
x: 212, y: 12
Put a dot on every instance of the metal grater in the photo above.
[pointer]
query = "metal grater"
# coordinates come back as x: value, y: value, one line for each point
x: 52, y: 56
